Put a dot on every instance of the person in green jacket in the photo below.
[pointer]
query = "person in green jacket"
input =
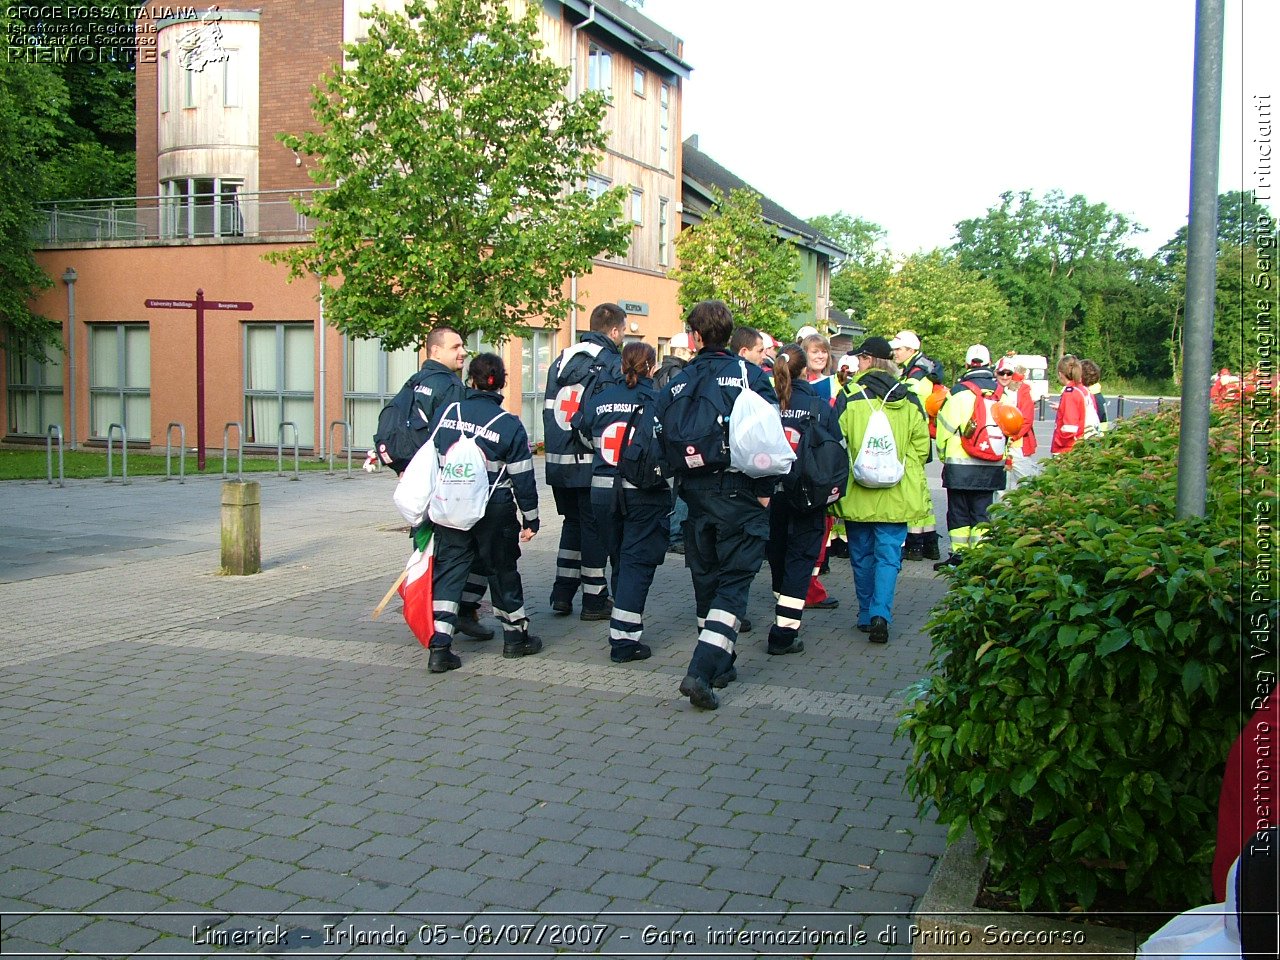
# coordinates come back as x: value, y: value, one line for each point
x: 876, y: 518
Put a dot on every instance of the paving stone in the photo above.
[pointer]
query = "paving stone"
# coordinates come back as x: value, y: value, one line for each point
x: 68, y: 893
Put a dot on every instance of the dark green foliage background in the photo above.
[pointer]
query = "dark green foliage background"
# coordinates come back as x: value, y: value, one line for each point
x: 1086, y: 682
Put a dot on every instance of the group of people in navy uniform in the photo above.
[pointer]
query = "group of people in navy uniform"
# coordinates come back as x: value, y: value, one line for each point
x: 735, y: 522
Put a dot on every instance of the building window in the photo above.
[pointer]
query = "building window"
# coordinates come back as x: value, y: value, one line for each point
x: 35, y: 392
x: 373, y: 376
x: 188, y: 87
x: 120, y: 379
x: 231, y: 79
x: 162, y: 82
x: 536, y: 354
x: 201, y: 207
x: 637, y: 205
x: 664, y: 128
x: 476, y: 345
x: 597, y: 186
x: 600, y: 70
x: 664, y: 232
x: 279, y: 382
x: 637, y: 81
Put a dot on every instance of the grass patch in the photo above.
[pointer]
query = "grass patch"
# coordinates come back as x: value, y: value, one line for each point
x: 91, y: 464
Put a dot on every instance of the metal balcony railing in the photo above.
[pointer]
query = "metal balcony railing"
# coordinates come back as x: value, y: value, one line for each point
x: 212, y: 215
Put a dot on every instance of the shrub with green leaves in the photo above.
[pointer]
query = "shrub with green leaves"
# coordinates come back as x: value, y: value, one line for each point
x: 1084, y: 689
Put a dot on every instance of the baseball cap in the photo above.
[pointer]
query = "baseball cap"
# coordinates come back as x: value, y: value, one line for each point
x: 877, y: 347
x: 905, y: 338
x: 680, y: 342
x: 977, y: 354
x: 805, y: 332
x: 768, y: 341
x: 848, y: 362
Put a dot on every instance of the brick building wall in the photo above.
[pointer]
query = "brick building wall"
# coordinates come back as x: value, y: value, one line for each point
x: 301, y: 40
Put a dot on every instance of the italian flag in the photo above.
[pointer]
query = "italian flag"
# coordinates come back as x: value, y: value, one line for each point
x: 415, y: 591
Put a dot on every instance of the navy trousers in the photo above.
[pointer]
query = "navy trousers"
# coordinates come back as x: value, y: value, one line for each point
x: 495, y: 542
x: 634, y: 525
x: 795, y: 540
x: 724, y: 547
x: 582, y: 552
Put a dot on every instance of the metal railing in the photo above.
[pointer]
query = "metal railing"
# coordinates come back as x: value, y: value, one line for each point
x: 124, y: 453
x: 266, y: 213
x: 1124, y: 406
x: 48, y: 454
x: 182, y: 452
x: 280, y: 450
x: 226, y: 432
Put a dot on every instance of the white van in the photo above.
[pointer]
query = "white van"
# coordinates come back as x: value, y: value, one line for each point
x: 1037, y: 372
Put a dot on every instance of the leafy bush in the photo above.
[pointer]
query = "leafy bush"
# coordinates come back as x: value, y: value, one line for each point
x: 1083, y: 692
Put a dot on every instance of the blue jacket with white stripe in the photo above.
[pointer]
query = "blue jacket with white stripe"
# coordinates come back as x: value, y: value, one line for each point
x: 502, y: 439
x: 569, y: 464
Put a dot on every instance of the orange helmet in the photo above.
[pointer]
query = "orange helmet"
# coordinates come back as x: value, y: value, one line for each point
x: 934, y: 401
x: 1009, y: 418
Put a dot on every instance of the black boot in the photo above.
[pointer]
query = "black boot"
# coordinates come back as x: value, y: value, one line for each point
x: 470, y: 625
x: 442, y: 660
x: 525, y: 647
x: 929, y: 545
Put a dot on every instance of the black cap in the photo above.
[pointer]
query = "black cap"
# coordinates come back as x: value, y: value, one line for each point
x: 877, y: 347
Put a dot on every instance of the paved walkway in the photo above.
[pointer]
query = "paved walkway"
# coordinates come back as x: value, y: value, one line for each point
x: 185, y: 755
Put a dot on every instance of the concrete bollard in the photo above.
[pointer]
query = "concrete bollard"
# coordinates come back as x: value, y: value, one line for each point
x: 241, y: 527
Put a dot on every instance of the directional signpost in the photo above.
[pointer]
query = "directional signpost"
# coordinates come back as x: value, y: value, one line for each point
x: 199, y: 305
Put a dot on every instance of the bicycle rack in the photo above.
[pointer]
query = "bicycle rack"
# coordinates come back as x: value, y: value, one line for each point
x: 124, y: 453
x: 182, y: 452
x: 226, y: 430
x: 280, y: 450
x: 48, y: 454
x: 346, y: 442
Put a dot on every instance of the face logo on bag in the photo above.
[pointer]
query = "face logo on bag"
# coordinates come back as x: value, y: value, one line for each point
x: 879, y: 445
x: 568, y: 399
x: 458, y: 472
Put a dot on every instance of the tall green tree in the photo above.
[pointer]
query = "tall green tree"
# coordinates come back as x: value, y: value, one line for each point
x: 947, y: 306
x: 1046, y: 255
x: 459, y: 166
x: 857, y: 283
x: 32, y: 99
x: 736, y: 256
x: 1246, y: 281
x: 66, y: 131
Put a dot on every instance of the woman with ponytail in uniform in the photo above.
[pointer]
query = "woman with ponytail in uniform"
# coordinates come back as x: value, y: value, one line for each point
x: 796, y: 536
x: 495, y: 539
x: 1076, y: 409
x: 633, y: 523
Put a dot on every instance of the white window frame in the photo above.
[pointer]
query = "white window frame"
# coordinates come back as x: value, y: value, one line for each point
x: 597, y: 186
x: 637, y: 206
x: 183, y: 214
x: 638, y: 80
x: 121, y: 391
x: 664, y: 127
x: 34, y: 385
x: 664, y: 232
x: 361, y: 401
x: 232, y: 94
x: 600, y: 70
x: 268, y: 434
x: 537, y: 353
x: 163, y: 81
x: 188, y: 88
